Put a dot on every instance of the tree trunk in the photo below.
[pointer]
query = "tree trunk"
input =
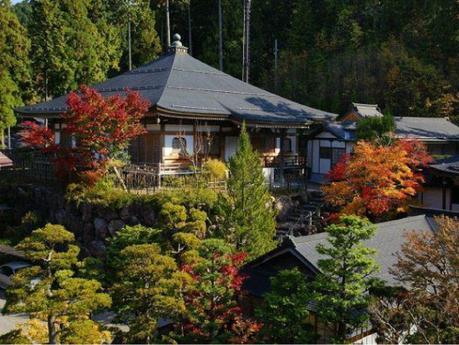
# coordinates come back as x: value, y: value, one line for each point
x: 220, y: 34
x: 52, y: 332
x: 190, y: 35
x: 168, y: 25
x: 246, y: 69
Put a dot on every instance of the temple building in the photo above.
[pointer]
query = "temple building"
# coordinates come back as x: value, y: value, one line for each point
x: 197, y: 108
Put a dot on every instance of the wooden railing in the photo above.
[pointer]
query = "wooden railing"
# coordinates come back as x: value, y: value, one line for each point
x: 290, y: 161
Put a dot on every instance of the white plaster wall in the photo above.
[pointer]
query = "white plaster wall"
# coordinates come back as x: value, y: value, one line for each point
x: 230, y: 147
x: 368, y: 340
x: 278, y: 146
x: 315, y: 156
x: 320, y: 165
x: 310, y: 144
x: 167, y: 149
x: 57, y: 137
x: 293, y: 140
x: 208, y: 128
x: 269, y: 174
x: 349, y: 147
x: 178, y: 128
x: 153, y: 127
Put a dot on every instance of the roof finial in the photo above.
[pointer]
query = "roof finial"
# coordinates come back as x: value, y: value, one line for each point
x: 177, y: 40
x: 177, y: 46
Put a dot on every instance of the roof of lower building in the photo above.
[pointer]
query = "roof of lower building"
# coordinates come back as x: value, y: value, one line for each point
x: 367, y: 110
x: 421, y: 128
x: 5, y: 161
x: 387, y: 241
x: 179, y: 85
x: 426, y: 128
x: 448, y: 165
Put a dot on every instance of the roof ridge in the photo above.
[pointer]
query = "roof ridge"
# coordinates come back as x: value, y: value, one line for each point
x: 405, y: 220
x: 174, y: 59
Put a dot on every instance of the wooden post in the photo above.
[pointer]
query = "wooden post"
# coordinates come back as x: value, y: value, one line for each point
x: 443, y: 183
x: 9, y: 138
x: 221, y: 143
x: 281, y: 156
x: 162, y: 140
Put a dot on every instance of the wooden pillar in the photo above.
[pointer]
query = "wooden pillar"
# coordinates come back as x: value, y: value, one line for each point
x: 221, y: 143
x: 282, y: 156
x: 195, y: 144
x: 162, y: 140
x: 443, y: 192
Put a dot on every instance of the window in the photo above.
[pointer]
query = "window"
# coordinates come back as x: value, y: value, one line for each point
x: 287, y: 145
x: 325, y: 153
x: 179, y: 145
x: 336, y: 155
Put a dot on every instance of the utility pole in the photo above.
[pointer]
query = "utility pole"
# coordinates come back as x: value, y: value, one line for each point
x: 168, y: 25
x: 276, y: 61
x: 220, y: 34
x: 190, y: 38
x: 129, y: 42
x: 243, y: 41
x: 246, y: 50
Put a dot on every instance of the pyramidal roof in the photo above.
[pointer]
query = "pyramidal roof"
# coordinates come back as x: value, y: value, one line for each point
x: 179, y: 85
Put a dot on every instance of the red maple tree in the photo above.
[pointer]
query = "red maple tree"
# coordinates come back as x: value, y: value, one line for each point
x: 100, y: 127
x: 214, y: 314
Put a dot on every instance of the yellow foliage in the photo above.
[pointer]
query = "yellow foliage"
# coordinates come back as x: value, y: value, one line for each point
x: 216, y: 169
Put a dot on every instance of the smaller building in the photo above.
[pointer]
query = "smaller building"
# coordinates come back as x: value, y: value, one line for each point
x: 360, y: 111
x: 300, y: 252
x: 335, y: 138
x: 442, y: 188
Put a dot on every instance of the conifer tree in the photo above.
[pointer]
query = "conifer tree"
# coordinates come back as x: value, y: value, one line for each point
x: 14, y: 66
x: 251, y: 218
x: 285, y: 310
x: 341, y: 287
x: 71, y: 46
x: 51, y: 292
x: 148, y: 289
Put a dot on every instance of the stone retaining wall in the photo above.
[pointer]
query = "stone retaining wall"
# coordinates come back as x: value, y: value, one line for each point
x: 92, y: 225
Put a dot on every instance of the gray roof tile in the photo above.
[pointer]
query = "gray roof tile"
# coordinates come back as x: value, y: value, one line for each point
x: 426, y: 128
x: 387, y: 241
x: 180, y: 83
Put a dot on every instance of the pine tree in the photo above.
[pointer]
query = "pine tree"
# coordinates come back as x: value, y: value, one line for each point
x: 14, y: 67
x: 341, y: 289
x: 148, y: 289
x: 251, y: 218
x: 50, y: 290
x: 285, y: 310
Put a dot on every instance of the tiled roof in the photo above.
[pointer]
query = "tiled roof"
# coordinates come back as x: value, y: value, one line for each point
x: 422, y: 128
x: 426, y: 128
x: 179, y: 83
x: 449, y: 165
x: 367, y: 110
x: 387, y: 241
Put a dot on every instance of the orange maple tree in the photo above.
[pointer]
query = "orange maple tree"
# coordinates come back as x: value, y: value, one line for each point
x: 377, y: 181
